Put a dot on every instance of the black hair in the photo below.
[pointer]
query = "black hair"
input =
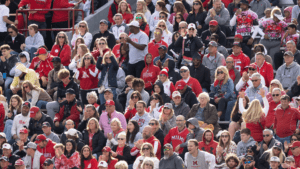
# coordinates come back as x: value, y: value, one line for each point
x: 292, y: 25
x: 131, y: 136
x: 74, y: 148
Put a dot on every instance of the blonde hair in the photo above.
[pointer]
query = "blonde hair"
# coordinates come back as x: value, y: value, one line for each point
x: 59, y: 145
x: 275, y: 81
x: 275, y: 10
x: 107, y: 55
x: 224, y: 69
x: 143, y: 17
x: 281, y: 155
x: 86, y: 25
x: 145, y: 8
x: 121, y: 165
x: 97, y: 124
x: 116, y: 120
x: 122, y: 134
x: 151, y: 149
x: 148, y: 160
x: 127, y: 9
x: 226, y: 145
x: 165, y: 25
x: 92, y: 94
x: 254, y: 112
x: 162, y: 113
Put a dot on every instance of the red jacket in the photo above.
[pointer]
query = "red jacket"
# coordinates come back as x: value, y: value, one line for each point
x: 44, y: 67
x: 176, y: 137
x: 65, y: 163
x: 149, y: 74
x: 116, y: 50
x: 297, y: 160
x: 110, y: 12
x: 48, y: 151
x: 257, y: 128
x: 127, y: 17
x: 195, y: 85
x: 129, y: 114
x: 146, y: 30
x: 88, y: 77
x: 74, y: 113
x: 285, y: 122
x: 153, y: 47
x: 2, y: 116
x: 271, y: 114
x: 61, y: 16
x: 227, y: 2
x: 211, y: 147
x: 156, y: 146
x: 96, y: 53
x: 37, y: 4
x: 65, y: 54
x: 241, y: 62
x: 267, y: 72
x: 90, y: 164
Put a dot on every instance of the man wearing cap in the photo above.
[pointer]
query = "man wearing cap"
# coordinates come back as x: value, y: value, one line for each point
x: 295, y: 147
x: 4, y: 162
x: 259, y: 7
x: 179, y: 106
x: 21, y: 120
x: 103, y: 27
x: 190, y: 81
x: 8, y: 61
x: 48, y: 164
x: 46, y: 127
x: 68, y: 110
x: 108, y: 95
x: 264, y: 68
x: 171, y: 159
x: 248, y: 162
x: 221, y: 48
x: 240, y: 60
x: 45, y: 146
x: 156, y: 42
x: 274, y: 162
x: 37, y: 118
x: 213, y: 28
x: 33, y: 158
x: 42, y: 65
x: 138, y: 41
x: 53, y: 79
x: 289, y: 163
x: 186, y: 92
x: 213, y: 59
x: 23, y: 141
x: 288, y: 78
x: 163, y: 56
x: 109, y: 114
x: 245, y: 48
x: 7, y: 152
x: 233, y: 72
x: 19, y: 164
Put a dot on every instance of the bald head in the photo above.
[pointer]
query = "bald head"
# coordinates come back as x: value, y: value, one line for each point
x: 147, y: 132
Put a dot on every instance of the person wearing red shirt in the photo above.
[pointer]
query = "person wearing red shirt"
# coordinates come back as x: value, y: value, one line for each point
x: 113, y: 9
x: 150, y: 72
x: 130, y: 110
x: 122, y: 151
x: 125, y: 11
x: 190, y: 81
x: 264, y: 68
x: 45, y: 146
x: 208, y: 144
x: 144, y: 26
x: 2, y: 116
x: 296, y: 152
x: 276, y: 94
x: 87, y: 160
x: 42, y: 65
x: 117, y: 47
x: 241, y: 61
x: 62, y: 49
x: 31, y: 154
x: 106, y: 159
x: 156, y: 42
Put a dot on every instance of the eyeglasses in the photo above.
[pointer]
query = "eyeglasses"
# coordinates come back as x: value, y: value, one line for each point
x: 251, y: 69
x: 121, y: 138
x: 166, y: 149
x: 254, y: 80
x: 225, y: 136
x: 191, y: 29
x: 166, y: 108
x: 161, y: 26
x: 177, y: 17
x: 154, y: 98
x: 162, y: 75
x: 161, y: 16
x: 294, y: 140
x: 25, y: 87
x: 276, y: 148
x: 196, y: 4
x: 81, y: 26
x: 220, y: 72
x: 227, y: 61
x: 10, y: 32
x: 147, y: 164
x: 151, y: 124
x: 293, y: 148
x: 121, y: 38
x: 134, y: 97
x: 61, y: 37
x: 87, y: 58
x: 146, y: 148
x: 157, y: 33
x: 102, y: 44
x: 183, y: 71
x: 249, y: 151
x: 275, y: 95
x: 247, y: 162
x: 267, y: 135
x: 181, y: 27
x: 138, y: 17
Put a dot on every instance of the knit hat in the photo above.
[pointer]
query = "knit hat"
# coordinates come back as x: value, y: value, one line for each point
x: 164, y: 71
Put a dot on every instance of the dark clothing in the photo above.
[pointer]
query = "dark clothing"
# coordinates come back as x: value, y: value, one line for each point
x: 270, y: 145
x: 160, y: 136
x: 98, y: 4
x: 112, y: 69
x: 173, y: 75
x: 202, y: 74
x: 297, y: 56
x: 205, y: 37
x: 119, y: 107
x: 263, y: 161
x: 175, y: 49
x: 136, y: 69
x: 61, y: 90
x: 12, y: 159
x: 274, y: 2
x: 162, y: 93
x: 35, y: 127
x: 63, y: 138
x: 16, y: 147
x: 295, y: 90
x: 98, y: 141
x: 189, y: 97
x: 151, y: 7
x: 126, y: 154
x: 6, y: 66
x: 191, y: 45
x: 111, y: 40
x: 232, y: 7
x: 16, y: 44
x: 198, y: 19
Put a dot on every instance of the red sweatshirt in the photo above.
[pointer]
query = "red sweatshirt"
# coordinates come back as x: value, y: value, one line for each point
x: 37, y: 4
x: 156, y: 146
x: 211, y: 147
x: 149, y: 74
x: 297, y: 160
x: 65, y: 54
x: 61, y: 16
x: 153, y: 47
x: 74, y: 114
x: 129, y: 114
x: 88, y: 77
x: 111, y: 15
x: 127, y: 17
x: 271, y: 114
x: 241, y: 62
x: 2, y: 116
x: 44, y: 67
x: 266, y: 70
x: 195, y: 85
x: 176, y: 137
x: 285, y: 122
x: 147, y: 30
x: 116, y: 50
x: 48, y: 151
x: 90, y: 164
x: 257, y: 128
x: 96, y: 53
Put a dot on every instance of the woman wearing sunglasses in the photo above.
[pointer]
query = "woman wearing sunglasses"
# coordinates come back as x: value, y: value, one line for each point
x: 147, y: 152
x: 287, y: 149
x: 276, y: 150
x: 121, y: 151
x: 167, y: 35
x: 141, y: 7
x: 82, y: 31
x: 224, y: 147
x: 130, y: 110
x: 100, y: 48
x: 177, y: 20
x: 197, y: 15
x: 144, y: 26
x: 62, y: 49
x: 156, y: 106
x: 167, y: 118
x: 274, y: 84
x: 116, y: 130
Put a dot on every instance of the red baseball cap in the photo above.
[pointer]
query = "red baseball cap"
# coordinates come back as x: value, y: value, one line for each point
x: 33, y: 110
x: 23, y: 130
x: 41, y: 51
x: 19, y: 162
x: 295, y: 144
x: 213, y: 23
x: 110, y: 102
x: 40, y: 138
x: 180, y: 85
x: 252, y: 65
x: 106, y: 148
x: 239, y: 36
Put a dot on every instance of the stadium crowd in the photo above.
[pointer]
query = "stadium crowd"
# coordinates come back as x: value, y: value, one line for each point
x: 172, y: 84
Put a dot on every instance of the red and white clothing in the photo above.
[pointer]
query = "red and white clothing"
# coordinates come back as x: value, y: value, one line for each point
x: 96, y: 53
x: 153, y: 47
x: 244, y: 22
x: 88, y: 37
x: 129, y: 113
x: 242, y: 85
x: 155, y: 112
x: 39, y: 16
x: 48, y: 151
x: 116, y: 50
x: 194, y: 84
x: 149, y: 74
x: 294, y: 37
x: 169, y: 88
x: 274, y: 30
x: 43, y: 67
x: 241, y: 62
x: 176, y: 137
x: 90, y: 164
x: 271, y: 114
x: 65, y: 163
x: 2, y: 116
x: 64, y: 52
x: 156, y: 147
x: 88, y: 77
x: 266, y: 70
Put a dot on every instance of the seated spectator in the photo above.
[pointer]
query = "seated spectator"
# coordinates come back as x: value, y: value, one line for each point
x: 87, y: 159
x: 266, y: 157
x: 224, y: 148
x: 195, y: 131
x: 92, y: 99
x: 121, y: 151
x: 23, y: 141
x: 287, y: 149
x: 168, y: 87
x: 163, y: 56
x: 246, y: 140
x: 8, y: 61
x: 100, y: 48
x: 132, y: 133
x: 190, y: 81
x: 143, y: 23
x: 177, y: 20
x: 5, y: 14
x: 147, y: 153
x: 14, y: 39
x: 197, y: 16
x: 32, y: 157
x: 62, y: 49
x: 261, y: 48
x: 155, y: 45
x: 68, y: 109
x: 179, y: 8
x: 106, y: 159
x: 142, y: 117
x: 186, y: 92
x: 108, y: 95
x: 125, y: 11
x: 233, y: 6
x: 70, y: 125
x: 98, y: 140
x: 150, y: 72
x: 268, y: 142
x: 166, y: 30
x: 124, y: 58
x: 157, y: 131
x: 248, y: 161
x: 121, y: 41
x: 288, y: 14
x: 274, y: 84
x: 155, y: 107
x: 141, y: 7
x: 78, y: 58
x: 172, y: 50
x: 19, y: 164
x: 116, y: 129
x: 35, y: 95
x: 233, y: 72
x: 33, y: 41
x: 289, y: 162
x: 119, y: 27
x: 179, y: 106
x: 253, y: 92
x: 82, y: 31
x: 167, y: 119
x: 20, y: 120
x: 160, y: 6
x: 71, y: 156
x: 45, y: 146
x: 138, y: 85
x: 208, y: 144
x: 259, y: 7
x: 174, y: 76
x: 24, y: 59
x: 296, y: 152
x: 245, y: 48
x: 78, y: 41
x: 171, y: 159
x: 53, y: 79
x: 213, y: 28
x: 221, y: 48
x: 46, y: 127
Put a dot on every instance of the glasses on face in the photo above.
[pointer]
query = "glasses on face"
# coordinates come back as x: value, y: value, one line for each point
x: 121, y: 38
x: 294, y: 140
x: 220, y: 72
x: 162, y: 75
x: 146, y: 148
x: 293, y: 148
x: 154, y: 98
x: 161, y: 16
x: 254, y: 80
x: 183, y: 71
x: 275, y: 95
x: 166, y: 149
x: 177, y: 17
x: 179, y: 120
x: 196, y: 4
x: 87, y: 58
x: 121, y: 138
x: 249, y: 151
x: 25, y: 87
x: 81, y: 26
x: 229, y: 62
x: 166, y: 108
x: 251, y: 69
x: 151, y: 124
x: 61, y: 37
x: 247, y: 162
x: 134, y: 97
x: 181, y: 27
x: 156, y: 32
x: 267, y: 135
x: 138, y: 17
x: 10, y: 32
x: 161, y: 26
x: 101, y: 43
x: 224, y: 136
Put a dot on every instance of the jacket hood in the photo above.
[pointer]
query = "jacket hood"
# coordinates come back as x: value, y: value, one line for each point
x: 171, y: 65
x: 291, y: 65
x: 151, y: 64
x: 194, y: 122
x: 26, y: 54
x: 212, y: 138
x: 161, y: 86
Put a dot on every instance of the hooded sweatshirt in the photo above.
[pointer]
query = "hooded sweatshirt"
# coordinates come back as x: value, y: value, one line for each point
x: 197, y: 131
x: 181, y: 109
x: 173, y: 75
x: 287, y: 75
x: 26, y: 64
x: 211, y: 146
x: 173, y: 162
x: 162, y: 93
x: 48, y: 151
x: 242, y: 147
x: 34, y: 42
x: 149, y: 74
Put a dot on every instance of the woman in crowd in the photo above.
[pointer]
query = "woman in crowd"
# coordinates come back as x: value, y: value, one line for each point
x: 222, y: 91
x: 167, y: 35
x: 150, y: 72
x: 287, y: 149
x: 148, y: 164
x: 124, y: 58
x: 141, y: 7
x: 288, y: 14
x: 197, y: 15
x: 72, y: 154
x: 14, y: 39
x: 90, y: 111
x: 87, y: 74
x: 82, y: 31
x: 276, y: 150
x: 156, y: 105
x: 101, y: 48
x: 179, y: 106
x: 133, y: 134
x: 92, y: 99
x: 78, y: 41
x: 116, y: 128
x: 98, y: 140
x: 121, y: 151
x: 158, y: 88
x: 77, y: 60
x: 66, y: 156
x: 167, y: 118
x: 177, y: 20
x: 130, y: 110
x: 125, y: 11
x: 33, y: 41
x: 168, y: 85
x: 2, y: 141
x: 138, y: 85
x: 107, y: 156
x: 121, y: 165
x: 144, y: 23
x: 160, y: 6
x: 178, y: 7
x: 147, y: 152
x: 224, y: 147
x: 35, y: 95
x: 172, y: 49
x: 88, y: 161
x: 75, y: 137
x: 62, y: 49
x: 274, y: 84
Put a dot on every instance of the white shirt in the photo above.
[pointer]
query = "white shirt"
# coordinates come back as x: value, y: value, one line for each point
x: 136, y: 55
x: 4, y: 11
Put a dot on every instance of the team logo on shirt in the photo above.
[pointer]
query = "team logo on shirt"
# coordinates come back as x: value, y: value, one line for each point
x: 195, y: 162
x: 56, y: 51
x: 141, y: 122
x: 176, y: 137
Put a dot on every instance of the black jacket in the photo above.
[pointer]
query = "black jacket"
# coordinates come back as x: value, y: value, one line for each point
x: 205, y: 36
x: 189, y: 97
x: 112, y: 69
x: 160, y: 136
x: 19, y: 40
x: 232, y: 9
x: 173, y: 75
x: 126, y: 154
x: 198, y: 19
x: 6, y: 66
x: 61, y: 90
x: 192, y: 47
x: 98, y: 4
x: 162, y: 93
x: 111, y: 40
x: 295, y: 90
x: 122, y: 97
x: 16, y: 147
x: 35, y: 127
x: 202, y: 74
x: 12, y: 159
x: 63, y: 138
x: 98, y: 141
x: 297, y: 56
x: 118, y: 106
x: 263, y: 162
x: 151, y: 7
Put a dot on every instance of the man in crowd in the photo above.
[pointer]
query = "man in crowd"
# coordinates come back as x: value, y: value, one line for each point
x: 46, y: 127
x: 69, y: 126
x: 295, y: 147
x: 186, y: 92
x: 274, y: 162
x: 119, y: 27
x: 103, y: 27
x: 241, y: 61
x: 7, y: 152
x: 153, y: 46
x: 24, y: 140
x: 48, y: 164
x: 162, y: 57
x: 208, y: 144
x: 253, y: 91
x: 21, y: 120
x: 232, y: 161
x: 108, y: 95
x: 213, y: 28
x: 19, y: 164
x: 141, y: 116
x: 246, y: 141
x: 276, y: 95
x: 268, y: 141
x: 248, y: 162
x: 5, y: 20
x: 45, y: 146
x: 4, y: 162
x: 171, y: 159
x: 32, y: 154
x: 53, y: 79
x: 190, y: 81
x: 233, y: 72
x: 264, y: 68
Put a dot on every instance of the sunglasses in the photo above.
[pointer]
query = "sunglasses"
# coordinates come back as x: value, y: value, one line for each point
x: 166, y: 149
x: 254, y: 80
x: 10, y: 32
x: 252, y: 69
x: 162, y: 75
x: 81, y: 26
x: 196, y: 4
x: 183, y: 71
x: 267, y: 135
x: 161, y: 16
x: 157, y: 33
x: 101, y: 43
x: 249, y: 151
x: 121, y: 138
x: 138, y: 17
x: 162, y: 26
x: 275, y: 95
x: 154, y: 98
x: 61, y: 37
x: 25, y: 87
x: 227, y: 61
x: 191, y: 29
x: 134, y: 97
x: 225, y: 136
x: 247, y: 162
x: 177, y: 17
x: 146, y: 149
x: 220, y: 72
x: 294, y: 140
x: 151, y: 124
x: 293, y: 148
x: 121, y: 38
x: 166, y: 108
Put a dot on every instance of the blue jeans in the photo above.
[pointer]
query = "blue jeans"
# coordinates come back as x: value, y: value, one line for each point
x: 7, y: 82
x: 14, y: 53
x: 229, y: 108
x: 7, y: 129
x: 282, y: 140
x: 40, y: 104
x: 101, y: 95
x: 31, y: 52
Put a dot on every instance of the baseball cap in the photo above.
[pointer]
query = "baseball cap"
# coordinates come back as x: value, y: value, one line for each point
x: 71, y: 132
x: 290, y: 158
x: 70, y: 91
x: 213, y: 43
x: 4, y: 158
x: 163, y: 47
x: 27, y: 103
x: 102, y: 164
x: 213, y: 23
x: 46, y: 124
x: 2, y: 135
x: 239, y: 36
x: 289, y: 53
x: 192, y: 25
x: 184, y: 68
x: 274, y: 159
x: 56, y: 59
x: 47, y: 162
x: 168, y: 145
x: 249, y: 158
x: 168, y: 105
x: 23, y: 130
x: 134, y: 23
x: 6, y: 146
x: 180, y: 85
x: 19, y: 162
x: 33, y: 110
x: 295, y: 144
x: 108, y: 90
x: 106, y: 148
x: 110, y: 102
x: 175, y: 94
x: 40, y: 138
x: 41, y: 51
x: 104, y: 21
x: 252, y: 65
x: 31, y: 145
x: 278, y: 145
x: 236, y: 44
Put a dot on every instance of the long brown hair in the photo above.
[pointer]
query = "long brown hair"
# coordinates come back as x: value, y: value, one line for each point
x: 180, y: 7
x: 31, y: 87
x: 201, y: 9
x: 82, y: 157
x: 76, y: 47
x: 236, y: 108
x: 131, y: 136
x: 18, y: 107
x: 151, y: 149
x: 162, y: 4
x: 226, y: 145
x: 65, y: 37
x: 93, y: 62
x: 127, y: 8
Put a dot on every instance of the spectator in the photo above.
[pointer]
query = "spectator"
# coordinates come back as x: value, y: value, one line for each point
x: 160, y: 6
x: 273, y: 103
x: 150, y: 72
x: 147, y: 153
x: 46, y: 127
x: 124, y: 58
x: 14, y: 39
x: 179, y: 106
x: 171, y: 159
x: 274, y: 84
x: 23, y: 141
x: 224, y: 148
x: 248, y: 162
x: 221, y: 48
x: 186, y: 92
x: 268, y: 142
x: 233, y: 72
x: 174, y: 76
x: 83, y: 32
x: 264, y: 68
x: 241, y: 61
x: 111, y: 41
x: 195, y: 131
x: 168, y: 87
x: 108, y: 95
x: 155, y: 44
x: 246, y: 141
x: 150, y: 6
x: 259, y: 7
x: 121, y: 43
x: 113, y: 9
x: 116, y: 130
x: 190, y: 81
x: 157, y: 131
x: 133, y: 134
x: 87, y: 74
x: 208, y: 144
x: 106, y: 158
x: 261, y: 48
x: 68, y: 109
x: 178, y: 7
x: 265, y: 161
x: 45, y: 146
x: 89, y: 112
x: 87, y: 160
x: 121, y: 151
x: 5, y: 20
x: 35, y: 95
x: 232, y: 161
x: 19, y: 164
x: 232, y: 7
x: 197, y: 16
x: 100, y: 48
x: 141, y: 117
x: 143, y: 22
x: 178, y: 18
x: 213, y: 28
x: 7, y: 153
x: 119, y: 27
x: 24, y: 59
x: 166, y: 29
x: 289, y: 162
x: 167, y: 119
x: 252, y: 92
x: 73, y: 132
x: 141, y: 7
x: 71, y: 157
x: 77, y: 60
x: 33, y: 158
x: 53, y: 79
x: 138, y: 85
x: 296, y: 152
x: 156, y: 106
x: 61, y: 49
x: 20, y: 120
x: 125, y: 11
x: 78, y: 41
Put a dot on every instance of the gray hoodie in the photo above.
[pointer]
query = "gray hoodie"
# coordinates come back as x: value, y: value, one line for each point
x: 221, y: 49
x: 259, y: 7
x: 143, y: 120
x: 213, y: 64
x: 288, y: 75
x: 173, y: 162
x: 181, y: 109
x: 197, y: 132
x: 34, y: 42
x: 26, y: 64
x: 223, y: 17
x: 242, y: 147
x: 168, y: 124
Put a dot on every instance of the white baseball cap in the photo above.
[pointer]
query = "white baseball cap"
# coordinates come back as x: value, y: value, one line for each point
x: 71, y: 132
x: 2, y: 134
x: 134, y: 23
x: 192, y: 25
x: 175, y: 94
x: 6, y: 146
x: 102, y: 164
x: 274, y: 159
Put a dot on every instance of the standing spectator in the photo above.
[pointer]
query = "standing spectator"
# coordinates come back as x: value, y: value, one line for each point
x: 45, y: 146
x: 171, y: 159
x: 87, y: 160
x: 83, y: 32
x: 259, y: 7
x: 179, y: 106
x: 186, y: 92
x: 197, y: 16
x: 4, y: 19
x: 125, y: 11
x: 53, y: 78
x: 246, y: 141
x: 119, y: 27
x: 241, y: 61
x: 14, y: 39
x: 46, y: 127
x: 34, y: 158
x: 208, y: 144
x: 213, y: 28
x: 264, y: 68
x: 190, y: 81
x: 62, y: 49
x: 156, y: 43
x: 234, y: 74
